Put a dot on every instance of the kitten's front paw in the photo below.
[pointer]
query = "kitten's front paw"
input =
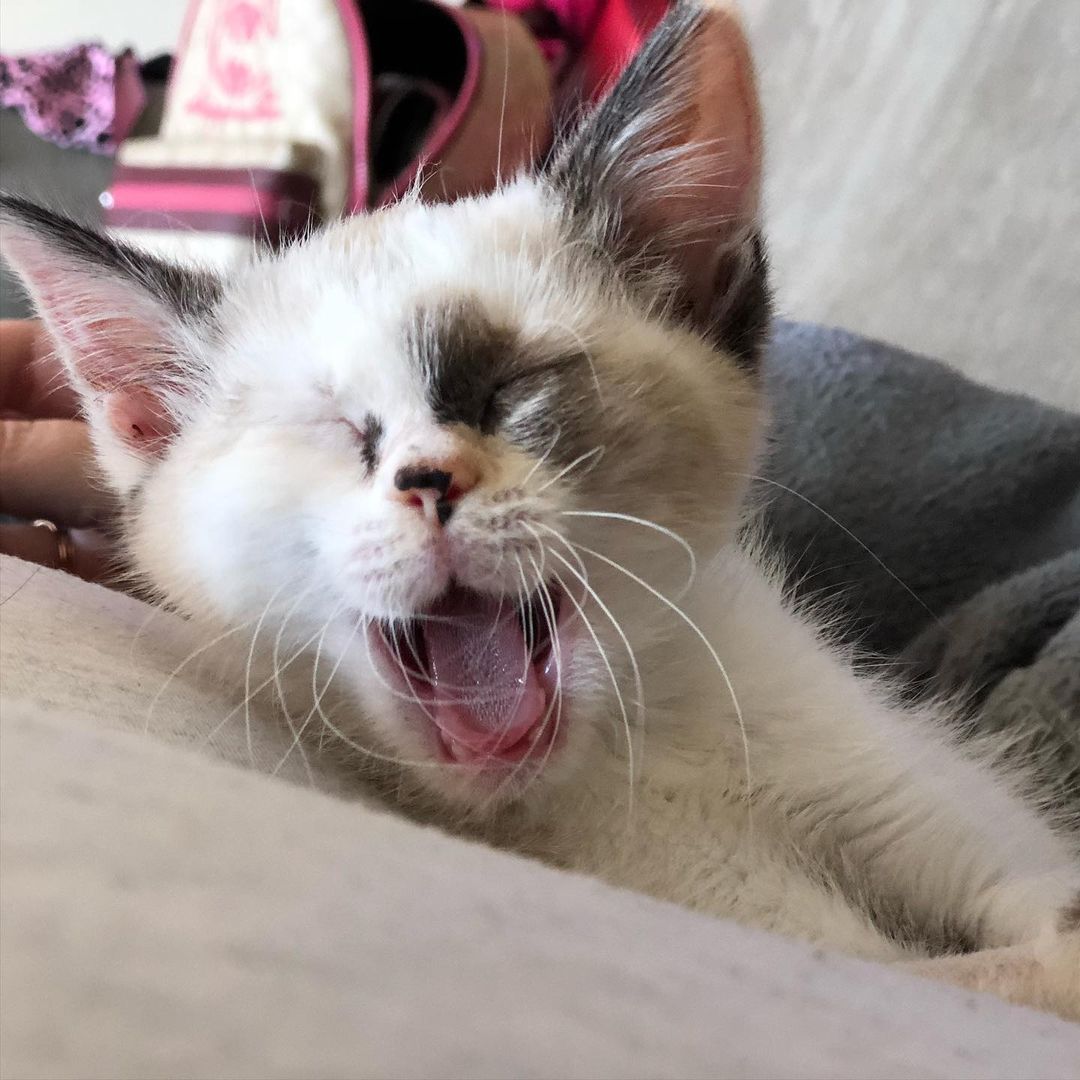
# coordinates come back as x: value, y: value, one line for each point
x: 1044, y: 975
x: 1058, y: 956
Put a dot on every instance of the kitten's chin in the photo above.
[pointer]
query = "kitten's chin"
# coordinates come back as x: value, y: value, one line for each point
x: 479, y: 681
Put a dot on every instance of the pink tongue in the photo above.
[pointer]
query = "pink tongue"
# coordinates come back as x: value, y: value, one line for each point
x: 485, y: 692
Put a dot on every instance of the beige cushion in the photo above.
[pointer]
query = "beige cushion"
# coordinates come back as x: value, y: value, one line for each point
x: 165, y: 914
x: 104, y: 658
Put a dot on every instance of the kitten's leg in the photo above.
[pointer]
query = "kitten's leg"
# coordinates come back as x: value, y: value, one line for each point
x: 884, y: 797
x: 882, y: 794
x: 937, y: 836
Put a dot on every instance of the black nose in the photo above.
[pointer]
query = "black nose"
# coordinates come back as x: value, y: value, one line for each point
x: 435, y: 479
x: 412, y: 478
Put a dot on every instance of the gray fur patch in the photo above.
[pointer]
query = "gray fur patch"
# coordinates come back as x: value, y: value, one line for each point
x: 586, y: 171
x: 371, y: 436
x: 745, y: 307
x: 461, y: 356
x: 480, y: 374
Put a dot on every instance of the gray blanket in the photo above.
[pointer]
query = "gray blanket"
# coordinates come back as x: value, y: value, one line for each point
x: 943, y: 519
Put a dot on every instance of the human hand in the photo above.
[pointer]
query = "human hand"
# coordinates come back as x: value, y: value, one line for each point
x: 47, y: 470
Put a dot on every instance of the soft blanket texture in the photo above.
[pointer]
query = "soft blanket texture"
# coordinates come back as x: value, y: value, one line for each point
x: 942, y: 520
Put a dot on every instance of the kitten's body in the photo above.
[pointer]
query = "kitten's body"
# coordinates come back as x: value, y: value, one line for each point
x: 491, y: 434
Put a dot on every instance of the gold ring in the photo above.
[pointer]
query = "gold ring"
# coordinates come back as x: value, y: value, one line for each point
x: 65, y: 549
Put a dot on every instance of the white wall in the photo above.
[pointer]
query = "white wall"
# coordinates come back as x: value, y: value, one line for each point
x: 923, y: 171
x: 149, y: 26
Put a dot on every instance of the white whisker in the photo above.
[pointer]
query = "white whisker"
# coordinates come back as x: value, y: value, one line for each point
x: 279, y: 689
x: 551, y: 618
x: 716, y: 659
x: 597, y: 451
x: 582, y: 575
x: 847, y: 532
x: 409, y: 673
x: 258, y: 689
x: 247, y: 673
x: 184, y: 663
x: 540, y: 461
x: 614, y: 683
x: 505, y: 92
x: 669, y: 533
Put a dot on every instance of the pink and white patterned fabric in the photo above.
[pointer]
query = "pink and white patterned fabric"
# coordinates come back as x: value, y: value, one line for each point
x: 82, y: 97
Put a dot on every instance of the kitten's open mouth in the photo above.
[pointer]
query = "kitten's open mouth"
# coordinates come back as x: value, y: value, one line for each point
x: 484, y: 671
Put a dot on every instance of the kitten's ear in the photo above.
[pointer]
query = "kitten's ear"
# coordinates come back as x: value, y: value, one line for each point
x: 666, y: 173
x: 123, y: 323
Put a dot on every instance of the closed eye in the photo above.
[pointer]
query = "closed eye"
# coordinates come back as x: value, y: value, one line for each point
x: 367, y: 437
x: 510, y: 390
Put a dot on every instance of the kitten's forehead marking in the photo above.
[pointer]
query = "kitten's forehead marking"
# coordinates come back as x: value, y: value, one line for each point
x: 458, y: 352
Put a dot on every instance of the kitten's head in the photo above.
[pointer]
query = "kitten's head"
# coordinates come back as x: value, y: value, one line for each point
x: 432, y: 442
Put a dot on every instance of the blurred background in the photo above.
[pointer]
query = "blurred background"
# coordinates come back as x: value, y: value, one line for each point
x: 923, y: 162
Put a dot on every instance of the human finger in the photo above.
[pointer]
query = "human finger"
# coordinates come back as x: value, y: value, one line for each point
x: 47, y: 470
x: 84, y: 552
x: 33, y: 381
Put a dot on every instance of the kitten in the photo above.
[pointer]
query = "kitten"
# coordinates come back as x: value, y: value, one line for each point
x: 490, y: 459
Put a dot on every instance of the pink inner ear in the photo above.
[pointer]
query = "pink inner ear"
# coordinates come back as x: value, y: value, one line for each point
x: 137, y: 416
x: 708, y: 202
x: 722, y: 117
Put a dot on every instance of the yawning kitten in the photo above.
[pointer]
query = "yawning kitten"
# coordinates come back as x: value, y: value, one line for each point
x: 489, y: 458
